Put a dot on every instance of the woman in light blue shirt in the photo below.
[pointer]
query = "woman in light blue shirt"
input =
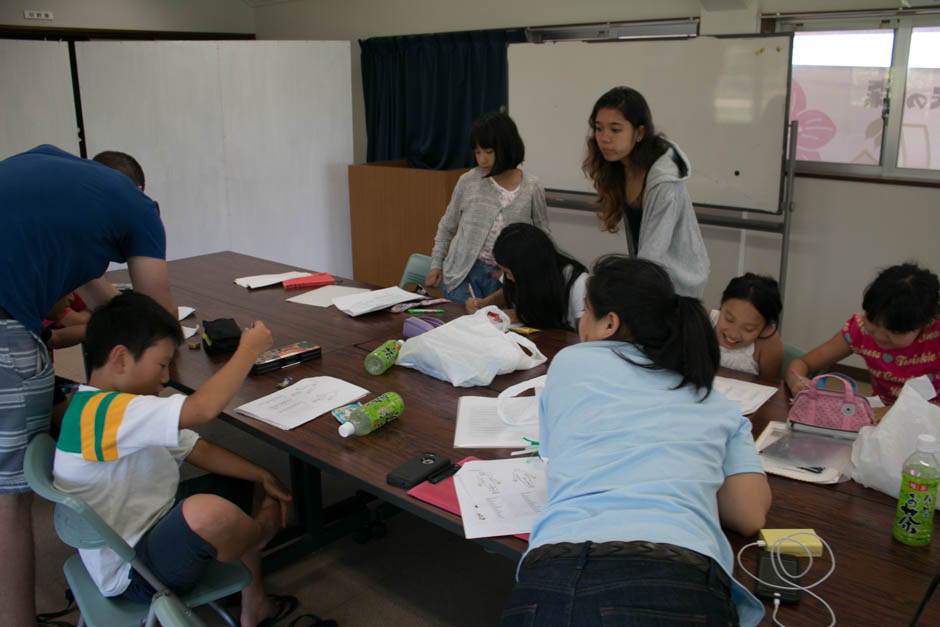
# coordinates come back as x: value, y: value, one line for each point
x: 644, y: 467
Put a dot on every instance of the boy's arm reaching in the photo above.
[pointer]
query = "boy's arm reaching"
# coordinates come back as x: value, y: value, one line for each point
x: 212, y: 396
x: 221, y: 461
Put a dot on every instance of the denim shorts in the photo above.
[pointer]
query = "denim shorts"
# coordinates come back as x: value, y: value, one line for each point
x: 587, y: 591
x: 176, y: 554
x: 480, y: 278
x: 26, y: 383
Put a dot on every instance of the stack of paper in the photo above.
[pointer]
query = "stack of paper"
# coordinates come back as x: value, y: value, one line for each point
x: 302, y: 402
x: 323, y: 296
x: 358, y: 304
x: 263, y: 280
x: 500, y: 497
x: 479, y: 426
x: 750, y: 396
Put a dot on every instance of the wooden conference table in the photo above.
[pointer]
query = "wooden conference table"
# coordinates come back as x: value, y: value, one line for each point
x: 877, y: 581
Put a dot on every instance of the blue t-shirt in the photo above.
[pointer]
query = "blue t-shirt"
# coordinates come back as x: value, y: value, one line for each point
x: 64, y: 219
x: 631, y: 458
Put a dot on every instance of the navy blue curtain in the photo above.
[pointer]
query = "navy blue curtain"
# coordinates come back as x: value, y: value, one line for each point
x: 422, y: 92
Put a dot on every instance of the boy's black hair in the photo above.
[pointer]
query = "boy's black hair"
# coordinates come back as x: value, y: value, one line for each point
x: 123, y: 163
x: 673, y: 331
x: 761, y: 291
x: 133, y: 320
x: 902, y: 298
x: 496, y: 130
x: 539, y: 291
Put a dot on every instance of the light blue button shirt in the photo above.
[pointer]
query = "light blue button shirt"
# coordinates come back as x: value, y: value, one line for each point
x: 631, y: 458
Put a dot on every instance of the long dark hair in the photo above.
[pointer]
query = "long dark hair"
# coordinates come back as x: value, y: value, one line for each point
x: 673, y: 331
x: 540, y: 290
x: 609, y: 177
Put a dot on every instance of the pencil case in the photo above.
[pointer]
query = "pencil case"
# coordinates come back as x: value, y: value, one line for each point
x: 220, y: 336
x: 416, y: 325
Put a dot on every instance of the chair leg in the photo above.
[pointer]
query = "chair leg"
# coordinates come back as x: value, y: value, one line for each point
x: 221, y: 612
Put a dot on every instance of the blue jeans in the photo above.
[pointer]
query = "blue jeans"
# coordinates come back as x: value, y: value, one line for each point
x: 609, y: 591
x: 480, y: 277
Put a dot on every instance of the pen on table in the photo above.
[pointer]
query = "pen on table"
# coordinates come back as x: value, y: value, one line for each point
x: 420, y: 311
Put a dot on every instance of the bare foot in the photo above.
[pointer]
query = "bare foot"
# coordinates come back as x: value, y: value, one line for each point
x: 261, y: 609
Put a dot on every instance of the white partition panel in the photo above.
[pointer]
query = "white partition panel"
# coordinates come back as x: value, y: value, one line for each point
x: 244, y: 144
x: 36, y: 98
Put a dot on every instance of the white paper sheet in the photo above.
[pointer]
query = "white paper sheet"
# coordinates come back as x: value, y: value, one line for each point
x: 184, y: 311
x: 500, y: 497
x: 358, y: 304
x: 188, y: 332
x: 323, y: 296
x: 479, y: 426
x: 263, y: 280
x: 750, y: 396
x: 302, y: 402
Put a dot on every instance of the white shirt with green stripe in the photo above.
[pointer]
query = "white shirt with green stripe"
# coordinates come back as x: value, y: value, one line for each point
x: 120, y: 453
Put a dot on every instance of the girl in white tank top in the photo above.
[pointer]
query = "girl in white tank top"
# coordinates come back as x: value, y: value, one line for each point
x: 746, y: 326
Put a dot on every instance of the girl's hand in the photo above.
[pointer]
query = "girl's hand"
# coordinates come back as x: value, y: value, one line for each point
x: 433, y: 279
x: 796, y: 382
x: 471, y: 305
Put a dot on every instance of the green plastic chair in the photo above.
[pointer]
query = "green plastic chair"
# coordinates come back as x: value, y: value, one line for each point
x: 416, y: 270
x: 790, y: 352
x: 79, y: 526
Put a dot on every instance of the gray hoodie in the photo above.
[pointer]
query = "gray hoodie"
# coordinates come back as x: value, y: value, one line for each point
x: 669, y: 232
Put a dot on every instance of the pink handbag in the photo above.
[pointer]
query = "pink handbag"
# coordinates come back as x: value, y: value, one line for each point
x: 829, y: 409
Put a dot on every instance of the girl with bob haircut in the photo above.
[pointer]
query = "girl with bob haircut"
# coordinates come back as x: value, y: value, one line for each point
x: 644, y: 466
x: 746, y: 326
x: 898, y: 336
x: 485, y: 199
x: 542, y: 286
x: 640, y: 178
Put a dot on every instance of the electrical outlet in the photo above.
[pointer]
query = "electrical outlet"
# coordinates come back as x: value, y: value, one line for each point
x: 33, y: 14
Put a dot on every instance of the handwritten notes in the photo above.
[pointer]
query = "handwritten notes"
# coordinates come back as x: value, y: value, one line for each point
x: 479, y: 426
x: 302, y: 402
x: 500, y: 497
x: 358, y: 304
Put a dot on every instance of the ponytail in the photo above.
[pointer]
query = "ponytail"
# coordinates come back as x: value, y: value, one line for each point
x: 672, y: 331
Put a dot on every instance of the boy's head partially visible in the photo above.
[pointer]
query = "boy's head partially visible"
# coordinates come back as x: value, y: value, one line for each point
x: 130, y: 342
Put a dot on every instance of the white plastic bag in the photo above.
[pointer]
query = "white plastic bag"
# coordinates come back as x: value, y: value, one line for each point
x: 879, y: 452
x: 521, y: 411
x: 470, y: 350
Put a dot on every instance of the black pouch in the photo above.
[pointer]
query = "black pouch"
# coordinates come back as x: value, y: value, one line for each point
x: 220, y: 336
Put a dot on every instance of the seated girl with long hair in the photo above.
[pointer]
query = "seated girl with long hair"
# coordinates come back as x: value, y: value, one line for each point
x: 644, y: 467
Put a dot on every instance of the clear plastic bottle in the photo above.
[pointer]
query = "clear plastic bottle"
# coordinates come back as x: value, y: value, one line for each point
x: 383, y: 358
x: 372, y: 415
x: 920, y: 475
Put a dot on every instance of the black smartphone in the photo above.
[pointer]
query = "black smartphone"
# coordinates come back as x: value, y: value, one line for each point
x: 765, y: 573
x: 285, y: 356
x: 416, y: 470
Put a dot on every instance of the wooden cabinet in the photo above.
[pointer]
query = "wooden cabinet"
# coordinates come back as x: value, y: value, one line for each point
x: 394, y: 210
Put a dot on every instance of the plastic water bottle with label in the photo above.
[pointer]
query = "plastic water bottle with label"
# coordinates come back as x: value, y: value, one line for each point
x: 383, y: 358
x: 380, y: 410
x: 920, y: 475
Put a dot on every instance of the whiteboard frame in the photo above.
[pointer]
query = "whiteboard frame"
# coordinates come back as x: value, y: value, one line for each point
x: 773, y: 171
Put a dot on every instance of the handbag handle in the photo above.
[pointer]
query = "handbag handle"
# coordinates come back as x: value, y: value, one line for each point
x: 847, y: 383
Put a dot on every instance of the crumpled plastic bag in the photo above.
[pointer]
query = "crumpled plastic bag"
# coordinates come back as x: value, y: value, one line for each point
x: 879, y: 452
x: 470, y: 350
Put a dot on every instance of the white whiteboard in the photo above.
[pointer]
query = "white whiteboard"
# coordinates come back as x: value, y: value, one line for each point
x: 722, y: 100
x: 244, y: 144
x: 36, y: 99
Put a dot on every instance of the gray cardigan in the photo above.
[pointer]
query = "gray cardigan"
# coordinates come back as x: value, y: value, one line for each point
x: 669, y: 232
x: 472, y: 209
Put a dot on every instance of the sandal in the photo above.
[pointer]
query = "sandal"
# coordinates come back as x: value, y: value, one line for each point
x: 286, y: 604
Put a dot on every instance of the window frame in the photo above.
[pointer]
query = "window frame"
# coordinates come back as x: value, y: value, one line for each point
x: 903, y: 26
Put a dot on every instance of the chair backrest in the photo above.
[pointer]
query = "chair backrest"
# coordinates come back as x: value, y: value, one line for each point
x: 790, y: 353
x: 77, y: 524
x: 416, y: 270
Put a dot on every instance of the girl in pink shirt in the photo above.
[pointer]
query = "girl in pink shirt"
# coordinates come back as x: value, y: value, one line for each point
x: 898, y: 336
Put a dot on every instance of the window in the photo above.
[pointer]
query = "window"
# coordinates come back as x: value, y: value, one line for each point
x: 866, y: 94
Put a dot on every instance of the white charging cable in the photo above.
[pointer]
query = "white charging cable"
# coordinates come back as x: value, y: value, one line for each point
x: 781, y: 571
